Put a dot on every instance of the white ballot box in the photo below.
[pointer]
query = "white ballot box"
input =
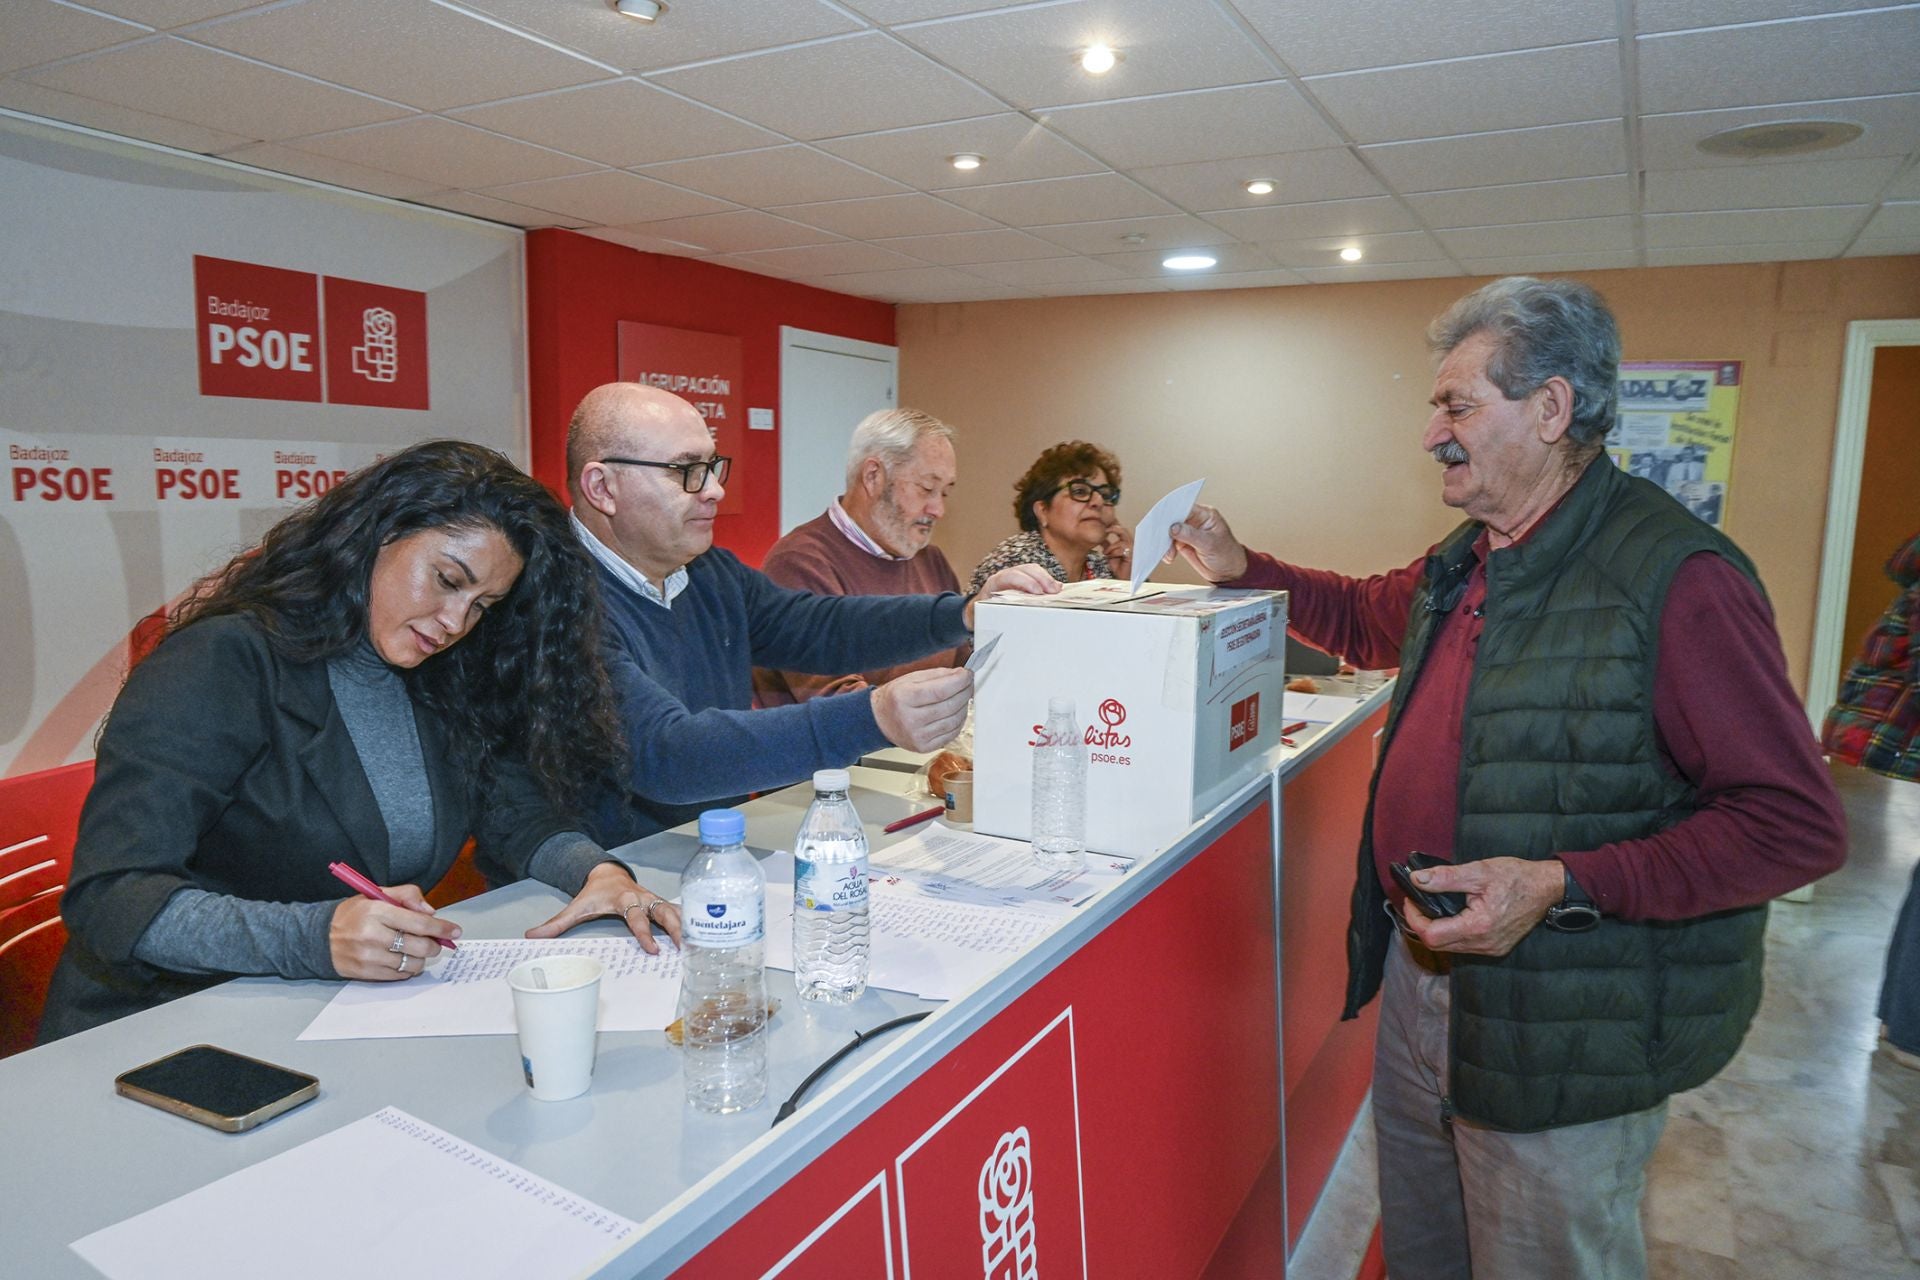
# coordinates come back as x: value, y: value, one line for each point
x: 1177, y: 692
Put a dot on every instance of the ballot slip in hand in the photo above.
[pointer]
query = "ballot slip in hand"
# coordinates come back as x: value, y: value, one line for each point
x: 1153, y: 537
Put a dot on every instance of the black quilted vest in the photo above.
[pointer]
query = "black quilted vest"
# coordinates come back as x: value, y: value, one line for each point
x: 1559, y: 754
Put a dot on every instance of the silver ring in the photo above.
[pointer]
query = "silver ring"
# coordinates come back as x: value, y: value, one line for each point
x: 628, y: 909
x: 398, y: 944
x: 402, y: 966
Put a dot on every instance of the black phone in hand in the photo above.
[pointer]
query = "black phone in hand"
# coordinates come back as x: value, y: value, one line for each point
x: 1436, y: 906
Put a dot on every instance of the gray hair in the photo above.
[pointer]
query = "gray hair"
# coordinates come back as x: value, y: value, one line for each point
x: 891, y: 435
x: 1543, y: 329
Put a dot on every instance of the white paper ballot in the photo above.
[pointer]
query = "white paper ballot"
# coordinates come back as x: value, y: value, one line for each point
x: 328, y: 1208
x: 1151, y: 541
x: 961, y: 866
x: 465, y: 993
x: 1320, y: 708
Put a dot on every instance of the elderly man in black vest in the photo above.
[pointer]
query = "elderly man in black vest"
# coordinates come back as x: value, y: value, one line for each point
x: 1593, y: 731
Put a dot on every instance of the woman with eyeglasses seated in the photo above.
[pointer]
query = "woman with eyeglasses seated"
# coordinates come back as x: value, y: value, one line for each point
x: 1069, y: 526
x: 405, y: 661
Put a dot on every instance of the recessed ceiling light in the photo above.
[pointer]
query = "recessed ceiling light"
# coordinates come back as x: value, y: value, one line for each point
x: 640, y: 10
x: 965, y: 160
x: 1350, y: 254
x: 1260, y: 187
x: 1097, y: 60
x: 1134, y: 237
x: 1188, y: 262
x: 1780, y: 138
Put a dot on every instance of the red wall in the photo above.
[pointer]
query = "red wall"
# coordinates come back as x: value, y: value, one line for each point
x: 579, y: 288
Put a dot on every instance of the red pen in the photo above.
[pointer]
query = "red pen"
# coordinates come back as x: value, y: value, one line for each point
x: 915, y: 818
x: 1295, y: 727
x: 368, y: 889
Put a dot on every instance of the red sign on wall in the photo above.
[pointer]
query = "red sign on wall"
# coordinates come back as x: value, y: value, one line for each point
x: 259, y: 330
x: 704, y: 370
x: 376, y: 345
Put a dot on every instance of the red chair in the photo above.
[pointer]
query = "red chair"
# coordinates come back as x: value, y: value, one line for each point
x: 39, y: 818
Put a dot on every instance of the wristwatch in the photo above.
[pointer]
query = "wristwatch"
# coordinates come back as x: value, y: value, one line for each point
x: 1575, y: 912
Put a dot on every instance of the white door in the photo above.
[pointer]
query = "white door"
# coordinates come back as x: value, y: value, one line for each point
x: 827, y: 384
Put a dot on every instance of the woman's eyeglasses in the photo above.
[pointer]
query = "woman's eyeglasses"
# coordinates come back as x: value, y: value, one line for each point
x: 1083, y: 491
x: 693, y: 475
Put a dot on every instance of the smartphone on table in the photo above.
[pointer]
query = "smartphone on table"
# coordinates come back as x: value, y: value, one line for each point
x: 217, y: 1087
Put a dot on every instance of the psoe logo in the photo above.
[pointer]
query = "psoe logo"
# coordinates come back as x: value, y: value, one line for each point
x: 1243, y: 724
x: 1007, y: 1238
x: 377, y: 358
x: 1113, y: 714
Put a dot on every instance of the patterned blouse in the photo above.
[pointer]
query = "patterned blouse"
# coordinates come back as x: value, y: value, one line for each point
x: 1876, y: 722
x: 1031, y: 548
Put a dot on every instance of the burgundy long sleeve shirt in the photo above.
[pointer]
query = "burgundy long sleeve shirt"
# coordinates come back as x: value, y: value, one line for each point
x: 1726, y: 718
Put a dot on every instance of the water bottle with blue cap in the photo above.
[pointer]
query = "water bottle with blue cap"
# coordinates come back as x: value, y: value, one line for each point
x: 723, y: 968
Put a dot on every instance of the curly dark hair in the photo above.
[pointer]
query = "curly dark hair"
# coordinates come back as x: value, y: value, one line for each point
x: 526, y: 684
x: 1055, y: 467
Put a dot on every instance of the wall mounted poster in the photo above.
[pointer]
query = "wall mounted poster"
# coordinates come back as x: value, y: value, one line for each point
x: 702, y: 369
x: 1676, y: 429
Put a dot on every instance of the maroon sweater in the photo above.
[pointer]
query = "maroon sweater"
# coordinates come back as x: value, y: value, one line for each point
x: 817, y: 557
x: 1726, y: 717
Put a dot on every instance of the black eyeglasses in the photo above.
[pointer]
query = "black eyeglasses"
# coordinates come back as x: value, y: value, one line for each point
x: 1083, y: 491
x: 693, y: 475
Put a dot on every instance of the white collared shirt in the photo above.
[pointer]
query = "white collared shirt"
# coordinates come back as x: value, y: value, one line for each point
x: 859, y: 537
x: 626, y: 573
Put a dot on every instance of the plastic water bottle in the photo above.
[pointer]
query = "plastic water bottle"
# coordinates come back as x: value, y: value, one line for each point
x: 1060, y: 791
x: 723, y: 977
x: 830, y: 896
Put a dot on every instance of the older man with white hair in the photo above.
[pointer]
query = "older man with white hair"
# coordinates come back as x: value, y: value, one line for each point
x: 875, y: 539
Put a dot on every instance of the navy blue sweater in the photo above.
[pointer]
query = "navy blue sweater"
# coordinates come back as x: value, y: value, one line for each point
x: 684, y: 680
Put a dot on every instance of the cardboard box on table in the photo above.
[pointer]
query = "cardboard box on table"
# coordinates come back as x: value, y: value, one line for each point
x: 1177, y: 693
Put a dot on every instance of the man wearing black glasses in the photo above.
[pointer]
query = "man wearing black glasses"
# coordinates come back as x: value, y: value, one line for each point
x: 686, y: 622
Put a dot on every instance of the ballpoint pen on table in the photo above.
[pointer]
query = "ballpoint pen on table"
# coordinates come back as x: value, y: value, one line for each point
x: 914, y: 818
x: 368, y: 889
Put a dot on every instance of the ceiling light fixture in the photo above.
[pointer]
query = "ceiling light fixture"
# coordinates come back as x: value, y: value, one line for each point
x: 1188, y: 262
x: 1260, y: 187
x: 1098, y: 59
x: 1350, y: 254
x: 1134, y: 237
x: 640, y: 10
x: 965, y: 160
x: 1780, y: 138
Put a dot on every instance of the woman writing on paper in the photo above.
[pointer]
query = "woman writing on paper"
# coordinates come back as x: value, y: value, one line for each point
x: 406, y: 661
x: 1066, y: 504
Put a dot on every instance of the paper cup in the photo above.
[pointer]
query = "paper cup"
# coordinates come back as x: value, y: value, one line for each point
x: 556, y: 1003
x: 959, y: 796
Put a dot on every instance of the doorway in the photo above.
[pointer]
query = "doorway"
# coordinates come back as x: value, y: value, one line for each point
x: 827, y: 384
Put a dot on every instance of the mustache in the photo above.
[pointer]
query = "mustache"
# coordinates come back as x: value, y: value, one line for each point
x: 1449, y: 453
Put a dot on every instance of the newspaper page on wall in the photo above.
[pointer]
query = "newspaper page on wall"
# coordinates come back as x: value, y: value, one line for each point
x: 1676, y: 429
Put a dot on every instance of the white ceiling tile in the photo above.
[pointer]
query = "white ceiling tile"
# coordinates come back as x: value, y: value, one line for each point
x: 1047, y: 271
x: 1227, y: 258
x: 1108, y: 236
x: 1208, y: 124
x: 1476, y: 95
x: 1094, y: 287
x: 1751, y: 226
x: 1578, y: 235
x: 645, y: 243
x: 611, y: 197
x: 1706, y: 255
x: 304, y: 164
x: 427, y: 55
x: 1678, y: 15
x: 894, y: 11
x: 1349, y: 272
x: 1908, y: 187
x: 740, y: 231
x: 1372, y: 216
x: 479, y: 206
x: 1027, y: 55
x: 36, y: 31
x: 854, y: 85
x: 1769, y: 186
x: 166, y: 14
x: 1896, y: 220
x: 1892, y: 125
x: 91, y: 113
x: 619, y: 123
x: 1526, y: 202
x: 1899, y: 247
x: 742, y: 262
x: 979, y: 291
x: 967, y: 247
x: 890, y: 285
x: 1055, y: 200
x: 1397, y: 247
x: 876, y: 216
x: 1203, y: 281
x: 1492, y: 159
x: 1552, y: 264
x: 1301, y: 177
x: 1012, y: 147
x: 170, y: 77
x: 1312, y: 38
x: 444, y: 152
x: 831, y: 259
x: 1845, y: 56
x: 781, y: 175
x: 695, y: 31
